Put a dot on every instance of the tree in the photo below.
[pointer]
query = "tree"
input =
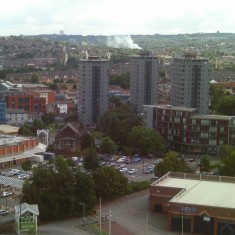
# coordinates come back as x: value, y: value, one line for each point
x: 91, y: 161
x: 87, y: 141
x: 216, y: 94
x: 205, y: 163
x: 110, y: 183
x: 227, y: 155
x: 171, y: 162
x: 26, y: 131
x: 118, y: 122
x: 48, y: 118
x: 34, y: 78
x: 227, y: 106
x: 146, y: 140
x: 107, y: 146
x: 26, y: 165
x: 84, y: 191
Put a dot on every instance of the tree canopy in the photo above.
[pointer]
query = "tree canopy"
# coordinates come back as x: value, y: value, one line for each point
x: 107, y: 146
x: 146, y: 140
x: 118, y: 122
x: 171, y: 162
x: 110, y: 183
x: 227, y: 167
x: 91, y: 161
x: 58, y: 191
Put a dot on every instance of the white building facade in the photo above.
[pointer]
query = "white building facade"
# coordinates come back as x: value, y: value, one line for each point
x: 92, y: 89
x: 144, y: 83
x: 190, y: 83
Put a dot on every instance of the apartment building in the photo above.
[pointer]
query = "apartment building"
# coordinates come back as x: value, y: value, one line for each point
x: 92, y: 89
x: 3, y: 112
x: 186, y: 131
x: 144, y: 81
x: 28, y: 102
x: 190, y: 82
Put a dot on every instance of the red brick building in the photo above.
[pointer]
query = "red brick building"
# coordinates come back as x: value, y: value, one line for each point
x: 28, y: 102
x: 68, y: 140
x: 185, y: 131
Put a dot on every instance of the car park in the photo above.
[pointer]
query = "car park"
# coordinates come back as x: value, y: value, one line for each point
x: 129, y: 160
x: 132, y: 171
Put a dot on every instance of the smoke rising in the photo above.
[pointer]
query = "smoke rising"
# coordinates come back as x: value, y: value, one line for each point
x: 122, y: 42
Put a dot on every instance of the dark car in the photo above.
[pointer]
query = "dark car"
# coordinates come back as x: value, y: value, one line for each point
x: 154, y: 178
x: 148, y: 171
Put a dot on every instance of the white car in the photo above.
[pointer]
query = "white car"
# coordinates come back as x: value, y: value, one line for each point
x: 132, y: 171
x: 151, y: 166
x: 158, y: 161
x: 122, y: 159
x: 124, y: 169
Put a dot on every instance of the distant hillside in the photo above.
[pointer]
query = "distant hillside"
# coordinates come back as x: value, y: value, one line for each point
x: 147, y: 41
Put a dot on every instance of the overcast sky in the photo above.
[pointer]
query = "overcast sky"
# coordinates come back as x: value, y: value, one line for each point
x: 116, y: 17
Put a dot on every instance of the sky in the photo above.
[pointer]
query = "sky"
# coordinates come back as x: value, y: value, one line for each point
x: 116, y: 17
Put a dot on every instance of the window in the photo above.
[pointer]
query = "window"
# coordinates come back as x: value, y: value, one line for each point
x: 205, y: 122
x: 221, y: 129
x: 204, y: 135
x: 213, y: 129
x: 212, y: 142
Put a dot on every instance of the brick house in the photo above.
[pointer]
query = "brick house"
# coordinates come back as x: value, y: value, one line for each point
x: 68, y: 140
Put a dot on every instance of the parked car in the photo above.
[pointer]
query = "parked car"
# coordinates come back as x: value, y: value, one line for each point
x: 151, y: 166
x: 137, y: 159
x: 158, y: 161
x: 129, y: 160
x: 6, y: 194
x: 124, y: 169
x: 122, y: 159
x: 148, y: 171
x: 154, y: 178
x: 192, y: 160
x: 4, y: 212
x: 132, y: 171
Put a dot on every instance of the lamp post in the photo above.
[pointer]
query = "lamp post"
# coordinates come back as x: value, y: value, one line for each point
x: 83, y: 212
x: 110, y: 221
x: 147, y: 223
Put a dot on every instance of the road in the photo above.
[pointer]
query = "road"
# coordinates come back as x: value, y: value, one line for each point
x: 130, y: 211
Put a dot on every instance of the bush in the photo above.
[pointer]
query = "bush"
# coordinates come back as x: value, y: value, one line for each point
x: 137, y: 186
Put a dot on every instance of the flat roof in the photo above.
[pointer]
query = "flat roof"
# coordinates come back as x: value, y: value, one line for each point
x: 7, y: 129
x: 212, y: 191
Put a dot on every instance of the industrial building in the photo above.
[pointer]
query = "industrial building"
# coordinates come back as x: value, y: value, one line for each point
x: 195, y: 203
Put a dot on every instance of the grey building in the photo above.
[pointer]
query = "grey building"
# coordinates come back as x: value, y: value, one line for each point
x: 92, y: 89
x: 144, y: 81
x: 190, y: 82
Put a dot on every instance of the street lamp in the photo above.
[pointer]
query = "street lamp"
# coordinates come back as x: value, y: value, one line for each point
x: 83, y: 212
x: 110, y: 222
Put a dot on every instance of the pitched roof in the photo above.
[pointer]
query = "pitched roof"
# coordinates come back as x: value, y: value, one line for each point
x: 24, y: 207
x: 71, y: 126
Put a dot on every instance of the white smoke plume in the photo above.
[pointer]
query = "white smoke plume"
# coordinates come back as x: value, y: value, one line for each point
x: 124, y: 41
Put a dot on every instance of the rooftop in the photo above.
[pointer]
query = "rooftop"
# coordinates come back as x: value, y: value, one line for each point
x: 217, y: 191
x: 8, y: 129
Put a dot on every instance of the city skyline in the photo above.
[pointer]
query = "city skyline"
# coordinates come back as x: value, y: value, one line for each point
x: 104, y: 17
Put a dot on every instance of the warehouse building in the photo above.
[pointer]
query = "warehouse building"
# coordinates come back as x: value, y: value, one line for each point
x: 195, y: 203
